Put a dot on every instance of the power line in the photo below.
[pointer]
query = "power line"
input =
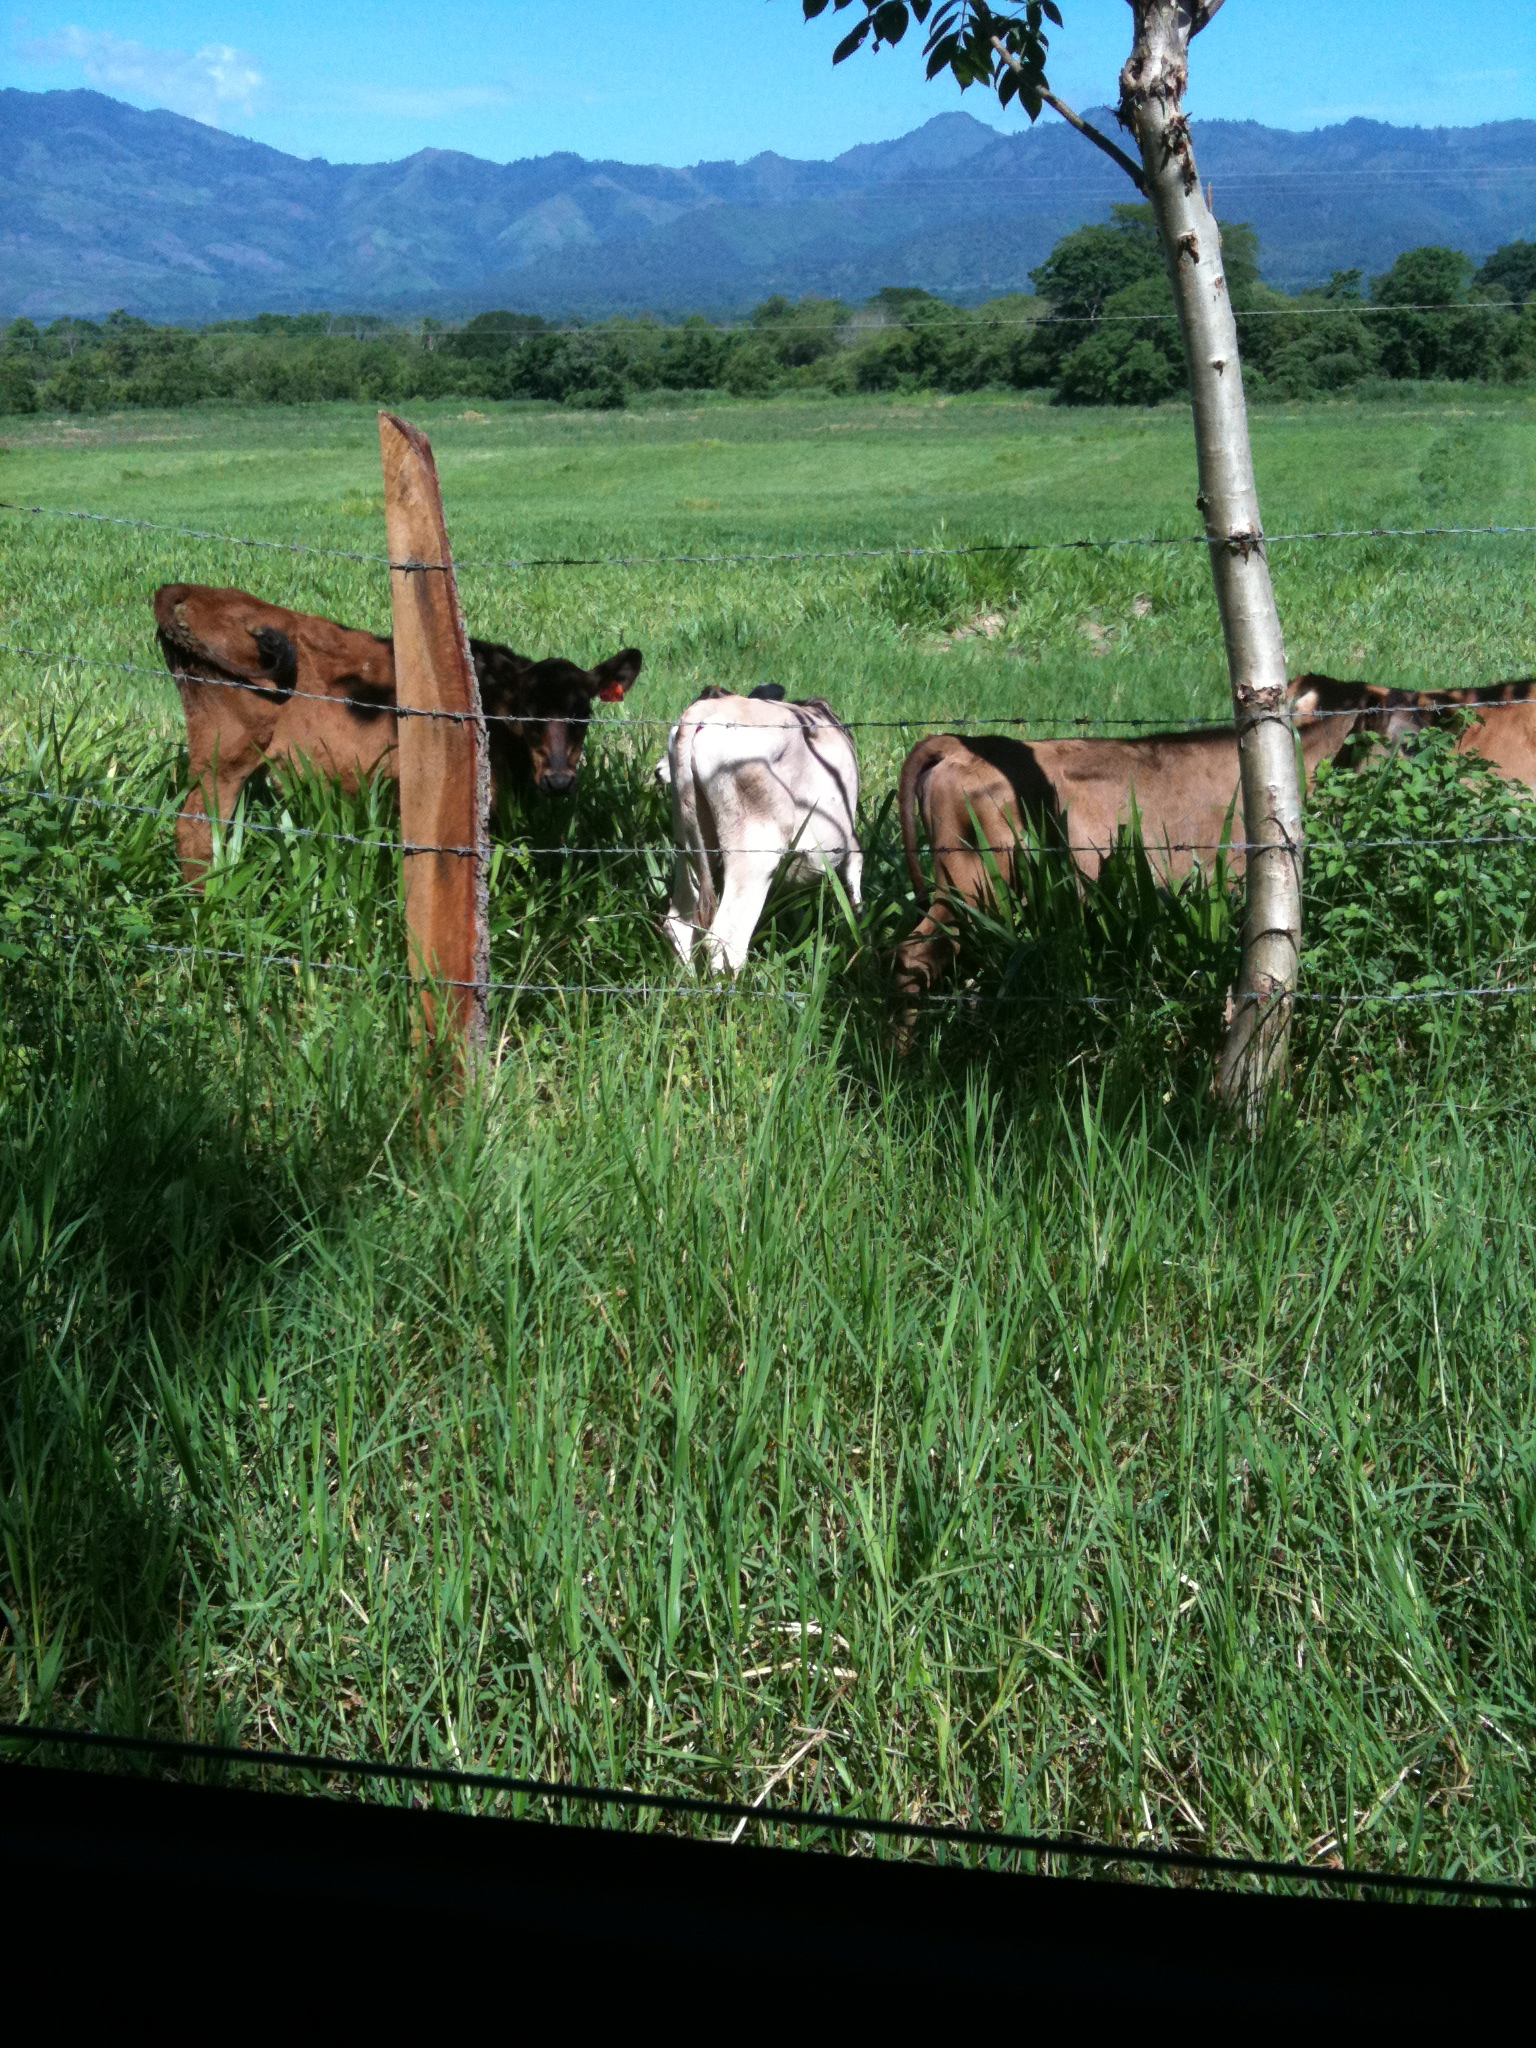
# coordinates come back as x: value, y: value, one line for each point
x: 863, y: 323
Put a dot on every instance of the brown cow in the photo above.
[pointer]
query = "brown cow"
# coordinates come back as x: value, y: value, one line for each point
x: 1502, y: 729
x: 261, y: 685
x: 982, y: 793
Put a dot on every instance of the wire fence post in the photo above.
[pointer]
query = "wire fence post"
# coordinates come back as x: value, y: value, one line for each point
x: 444, y: 764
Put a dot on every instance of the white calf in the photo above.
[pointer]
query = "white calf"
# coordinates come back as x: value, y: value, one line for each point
x: 761, y: 786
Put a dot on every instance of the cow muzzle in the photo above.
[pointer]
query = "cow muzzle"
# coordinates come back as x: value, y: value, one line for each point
x: 557, y: 781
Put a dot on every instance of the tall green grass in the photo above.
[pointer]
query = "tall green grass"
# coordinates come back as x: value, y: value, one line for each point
x: 710, y: 1384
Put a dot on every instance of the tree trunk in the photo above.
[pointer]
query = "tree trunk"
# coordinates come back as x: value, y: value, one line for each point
x: 1259, y: 1011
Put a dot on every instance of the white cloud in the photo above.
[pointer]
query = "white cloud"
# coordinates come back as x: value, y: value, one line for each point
x: 204, y: 83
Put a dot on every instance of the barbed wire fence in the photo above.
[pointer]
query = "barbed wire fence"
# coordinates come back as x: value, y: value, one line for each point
x: 300, y: 965
x: 1076, y: 726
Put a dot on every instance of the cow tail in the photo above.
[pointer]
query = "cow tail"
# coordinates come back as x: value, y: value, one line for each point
x: 685, y: 794
x: 924, y: 756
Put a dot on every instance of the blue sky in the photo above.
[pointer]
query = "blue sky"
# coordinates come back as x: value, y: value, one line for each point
x: 676, y: 81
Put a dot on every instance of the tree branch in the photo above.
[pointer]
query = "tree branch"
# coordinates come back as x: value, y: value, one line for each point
x: 1204, y: 15
x: 1128, y: 164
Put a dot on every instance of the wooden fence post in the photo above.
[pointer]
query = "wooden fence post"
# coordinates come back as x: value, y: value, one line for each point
x: 444, y: 767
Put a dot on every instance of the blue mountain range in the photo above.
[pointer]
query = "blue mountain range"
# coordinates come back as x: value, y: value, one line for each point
x: 102, y: 205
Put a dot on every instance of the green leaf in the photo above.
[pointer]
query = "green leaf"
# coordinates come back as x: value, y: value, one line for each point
x: 942, y: 55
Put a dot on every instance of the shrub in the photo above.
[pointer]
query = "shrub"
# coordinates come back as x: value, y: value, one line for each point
x: 1078, y: 279
x: 1511, y: 272
x: 1449, y: 339
x: 18, y: 389
x: 1318, y: 342
x: 1386, y: 919
x: 1130, y: 360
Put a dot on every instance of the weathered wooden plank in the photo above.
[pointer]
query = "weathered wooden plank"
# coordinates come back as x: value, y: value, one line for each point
x: 444, y: 766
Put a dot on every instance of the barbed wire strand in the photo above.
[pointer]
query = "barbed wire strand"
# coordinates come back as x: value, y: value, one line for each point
x: 765, y: 1816
x: 411, y: 566
x: 171, y: 809
x: 732, y: 990
x: 1077, y: 724
x: 621, y: 724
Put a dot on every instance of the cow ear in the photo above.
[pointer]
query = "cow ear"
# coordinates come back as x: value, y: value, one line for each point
x: 616, y: 675
x: 278, y: 656
x: 497, y: 664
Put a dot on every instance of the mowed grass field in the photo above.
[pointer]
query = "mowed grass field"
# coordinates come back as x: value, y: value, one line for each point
x: 986, y: 1436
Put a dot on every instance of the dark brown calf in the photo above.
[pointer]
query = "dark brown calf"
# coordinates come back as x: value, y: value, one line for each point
x: 976, y: 796
x: 264, y: 686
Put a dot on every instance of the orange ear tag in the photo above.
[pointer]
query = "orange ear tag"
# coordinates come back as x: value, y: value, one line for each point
x: 614, y: 694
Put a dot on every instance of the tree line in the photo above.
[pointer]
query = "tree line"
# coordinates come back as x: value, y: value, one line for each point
x: 1099, y: 329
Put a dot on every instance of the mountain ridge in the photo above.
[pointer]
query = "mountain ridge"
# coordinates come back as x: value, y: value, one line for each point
x: 104, y: 205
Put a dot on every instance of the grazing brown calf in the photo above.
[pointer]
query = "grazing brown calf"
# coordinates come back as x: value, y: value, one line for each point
x: 976, y: 797
x: 264, y: 686
x: 1502, y: 728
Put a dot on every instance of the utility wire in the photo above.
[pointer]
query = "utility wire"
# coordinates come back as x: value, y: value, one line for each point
x: 858, y: 322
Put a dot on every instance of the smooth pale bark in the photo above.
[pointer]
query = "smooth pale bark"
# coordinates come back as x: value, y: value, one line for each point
x: 1152, y: 89
x: 445, y: 776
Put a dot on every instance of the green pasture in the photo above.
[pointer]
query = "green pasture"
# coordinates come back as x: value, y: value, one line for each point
x: 989, y: 1430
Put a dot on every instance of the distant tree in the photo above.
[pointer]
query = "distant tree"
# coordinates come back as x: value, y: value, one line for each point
x: 18, y: 388
x: 902, y: 300
x: 1008, y: 52
x: 1425, y: 277
x: 1087, y: 268
x: 1426, y: 332
x: 491, y: 334
x: 803, y: 332
x: 1511, y: 271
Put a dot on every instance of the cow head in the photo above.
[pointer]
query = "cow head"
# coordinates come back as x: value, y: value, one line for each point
x: 229, y: 634
x: 539, y: 711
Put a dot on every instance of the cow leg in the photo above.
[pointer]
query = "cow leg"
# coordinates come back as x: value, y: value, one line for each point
x: 681, y: 922
x: 194, y: 832
x: 224, y: 749
x: 853, y: 876
x: 194, y: 838
x: 924, y: 958
x: 748, y: 878
x: 961, y: 875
